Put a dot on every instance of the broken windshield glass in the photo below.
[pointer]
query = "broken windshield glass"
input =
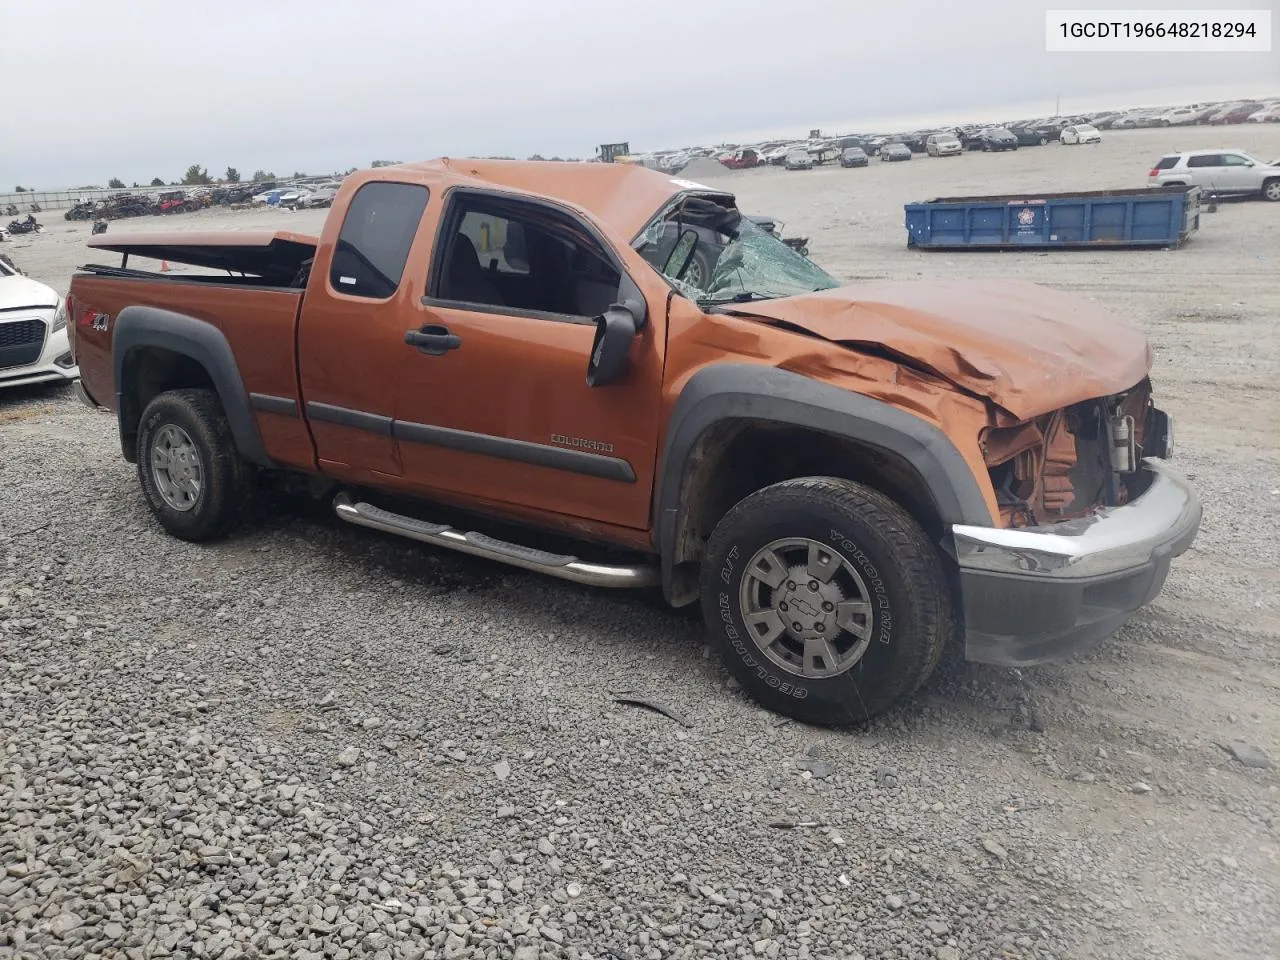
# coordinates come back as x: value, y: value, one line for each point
x: 734, y: 260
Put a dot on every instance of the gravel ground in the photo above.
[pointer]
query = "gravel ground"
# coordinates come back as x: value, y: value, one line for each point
x: 310, y: 741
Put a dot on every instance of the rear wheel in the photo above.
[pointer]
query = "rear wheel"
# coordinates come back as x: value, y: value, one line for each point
x: 192, y: 477
x: 826, y: 599
x: 1271, y: 189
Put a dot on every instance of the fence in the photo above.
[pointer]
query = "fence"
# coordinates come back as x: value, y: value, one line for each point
x: 66, y: 199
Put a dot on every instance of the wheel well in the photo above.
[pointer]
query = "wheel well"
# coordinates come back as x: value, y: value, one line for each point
x: 733, y: 459
x: 147, y: 373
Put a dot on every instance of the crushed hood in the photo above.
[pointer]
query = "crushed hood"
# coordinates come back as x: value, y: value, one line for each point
x: 17, y: 292
x: 1027, y: 348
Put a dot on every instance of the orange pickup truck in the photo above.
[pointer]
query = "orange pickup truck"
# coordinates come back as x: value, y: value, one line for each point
x: 650, y: 389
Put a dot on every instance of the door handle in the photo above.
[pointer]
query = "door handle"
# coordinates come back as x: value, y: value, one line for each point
x: 434, y: 340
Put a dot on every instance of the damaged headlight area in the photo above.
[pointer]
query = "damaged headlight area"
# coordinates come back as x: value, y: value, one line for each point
x: 59, y: 317
x: 1070, y: 462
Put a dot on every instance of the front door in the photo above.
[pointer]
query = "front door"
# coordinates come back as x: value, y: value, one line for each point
x: 1238, y: 174
x: 493, y: 403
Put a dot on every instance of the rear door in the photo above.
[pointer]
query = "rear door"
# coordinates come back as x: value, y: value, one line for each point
x: 351, y: 333
x: 1206, y: 170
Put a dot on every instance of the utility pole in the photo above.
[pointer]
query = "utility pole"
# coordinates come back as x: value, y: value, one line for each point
x: 1057, y: 106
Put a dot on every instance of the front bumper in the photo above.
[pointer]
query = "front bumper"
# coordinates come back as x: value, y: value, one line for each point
x: 1042, y: 593
x: 54, y: 363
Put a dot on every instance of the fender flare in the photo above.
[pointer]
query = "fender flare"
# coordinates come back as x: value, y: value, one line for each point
x: 752, y: 392
x: 137, y: 327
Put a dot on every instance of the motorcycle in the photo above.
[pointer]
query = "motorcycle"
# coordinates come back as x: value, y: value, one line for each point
x: 28, y: 225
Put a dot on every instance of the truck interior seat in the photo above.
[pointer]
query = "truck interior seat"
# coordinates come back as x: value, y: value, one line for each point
x: 464, y: 278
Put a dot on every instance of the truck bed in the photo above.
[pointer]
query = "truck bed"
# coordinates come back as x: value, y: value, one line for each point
x: 259, y: 259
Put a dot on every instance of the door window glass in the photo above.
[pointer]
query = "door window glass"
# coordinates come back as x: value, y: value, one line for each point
x: 376, y: 235
x: 523, y: 258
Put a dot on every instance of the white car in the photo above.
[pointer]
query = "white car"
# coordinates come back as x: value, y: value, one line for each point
x: 1218, y: 172
x: 1266, y: 115
x: 1080, y: 133
x: 33, y: 332
x: 943, y: 145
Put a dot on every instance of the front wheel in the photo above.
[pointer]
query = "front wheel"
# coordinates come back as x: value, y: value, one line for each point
x: 827, y: 601
x: 1271, y: 190
x: 192, y: 477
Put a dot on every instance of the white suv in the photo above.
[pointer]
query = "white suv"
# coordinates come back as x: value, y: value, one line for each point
x: 33, y: 332
x: 1218, y: 172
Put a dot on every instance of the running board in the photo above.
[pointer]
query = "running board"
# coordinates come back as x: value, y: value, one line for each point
x: 479, y: 545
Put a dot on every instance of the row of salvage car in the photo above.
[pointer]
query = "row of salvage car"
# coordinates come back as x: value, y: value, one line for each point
x: 1081, y: 128
x: 125, y: 204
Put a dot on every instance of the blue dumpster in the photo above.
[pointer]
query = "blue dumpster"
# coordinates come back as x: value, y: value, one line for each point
x: 1150, y: 217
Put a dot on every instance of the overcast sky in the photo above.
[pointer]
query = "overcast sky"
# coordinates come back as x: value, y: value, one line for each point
x: 143, y: 88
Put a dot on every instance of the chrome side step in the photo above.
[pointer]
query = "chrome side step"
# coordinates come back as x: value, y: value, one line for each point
x: 480, y: 545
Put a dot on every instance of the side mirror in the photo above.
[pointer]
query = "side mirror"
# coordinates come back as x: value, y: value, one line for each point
x: 615, y: 330
x: 681, y: 254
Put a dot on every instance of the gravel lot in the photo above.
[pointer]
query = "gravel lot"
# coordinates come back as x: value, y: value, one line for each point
x: 311, y: 741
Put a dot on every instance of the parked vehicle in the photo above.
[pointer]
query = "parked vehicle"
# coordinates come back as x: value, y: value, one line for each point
x: 742, y: 159
x: 892, y: 152
x: 323, y: 197
x: 943, y: 145
x: 1236, y: 113
x: 1134, y: 119
x: 717, y: 461
x: 854, y: 157
x: 1081, y: 133
x: 1266, y: 115
x: 1183, y: 116
x: 798, y: 159
x: 27, y: 225
x: 1038, y: 133
x: 995, y: 139
x: 33, y: 331
x: 1218, y: 172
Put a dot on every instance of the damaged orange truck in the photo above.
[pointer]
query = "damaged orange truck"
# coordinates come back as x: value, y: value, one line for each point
x: 604, y: 374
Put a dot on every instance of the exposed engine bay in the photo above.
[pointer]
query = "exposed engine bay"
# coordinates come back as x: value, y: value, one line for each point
x: 1070, y: 462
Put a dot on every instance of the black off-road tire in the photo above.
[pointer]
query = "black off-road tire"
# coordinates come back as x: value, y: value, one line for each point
x: 227, y: 482
x: 900, y: 567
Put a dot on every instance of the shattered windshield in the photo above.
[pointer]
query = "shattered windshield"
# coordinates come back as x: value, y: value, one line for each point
x: 726, y: 257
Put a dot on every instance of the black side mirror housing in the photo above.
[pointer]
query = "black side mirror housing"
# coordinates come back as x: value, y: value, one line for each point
x: 615, y: 330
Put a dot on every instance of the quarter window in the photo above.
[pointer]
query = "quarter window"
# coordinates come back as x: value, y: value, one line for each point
x: 376, y: 235
x: 1205, y: 160
x: 1234, y: 160
x: 1167, y: 163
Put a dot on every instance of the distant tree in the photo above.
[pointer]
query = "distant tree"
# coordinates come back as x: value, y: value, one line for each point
x: 135, y: 183
x: 157, y: 182
x: 195, y: 175
x: 537, y: 156
x: 115, y: 183
x: 349, y: 172
x: 297, y: 175
x: 232, y: 175
x: 19, y: 189
x: 260, y: 175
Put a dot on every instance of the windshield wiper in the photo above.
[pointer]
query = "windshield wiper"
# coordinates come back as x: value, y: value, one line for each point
x: 745, y: 297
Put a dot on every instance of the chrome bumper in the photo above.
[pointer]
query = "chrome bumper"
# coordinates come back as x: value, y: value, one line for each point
x: 1041, y: 593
